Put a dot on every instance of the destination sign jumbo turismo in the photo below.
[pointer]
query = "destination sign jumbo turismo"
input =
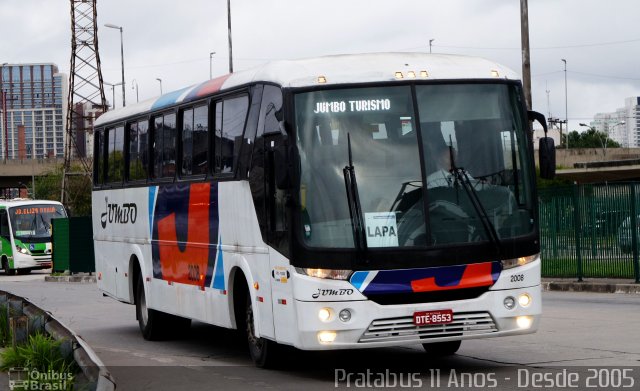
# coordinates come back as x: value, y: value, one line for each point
x: 342, y: 106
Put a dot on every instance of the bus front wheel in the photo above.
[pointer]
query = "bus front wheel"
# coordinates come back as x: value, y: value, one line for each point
x: 7, y: 270
x: 441, y: 349
x: 263, y: 352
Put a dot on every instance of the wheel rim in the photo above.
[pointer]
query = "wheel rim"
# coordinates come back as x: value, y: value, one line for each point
x: 255, y: 342
x: 143, y: 307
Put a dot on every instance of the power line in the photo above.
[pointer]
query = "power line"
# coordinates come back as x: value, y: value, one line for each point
x: 584, y: 45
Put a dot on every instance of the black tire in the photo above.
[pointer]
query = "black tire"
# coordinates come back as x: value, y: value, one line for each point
x: 264, y: 352
x: 156, y: 325
x: 7, y: 270
x: 442, y: 349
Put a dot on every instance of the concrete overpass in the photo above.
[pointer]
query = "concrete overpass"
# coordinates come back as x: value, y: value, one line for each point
x: 592, y: 165
x: 15, y: 172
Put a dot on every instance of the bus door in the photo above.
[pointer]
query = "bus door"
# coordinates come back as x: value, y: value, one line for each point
x: 278, y: 239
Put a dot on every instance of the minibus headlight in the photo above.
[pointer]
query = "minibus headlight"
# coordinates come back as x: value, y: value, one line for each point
x: 332, y: 274
x: 515, y: 262
x: 22, y: 250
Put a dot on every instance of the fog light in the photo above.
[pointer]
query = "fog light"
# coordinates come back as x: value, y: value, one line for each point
x: 509, y: 303
x: 324, y: 314
x: 326, y: 336
x: 524, y: 300
x: 524, y: 322
x: 345, y: 315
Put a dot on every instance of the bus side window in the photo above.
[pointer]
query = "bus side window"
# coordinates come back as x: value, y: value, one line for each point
x: 98, y: 153
x: 4, y: 224
x: 195, y: 139
x: 115, y: 162
x: 231, y: 116
x: 164, y: 146
x: 138, y: 139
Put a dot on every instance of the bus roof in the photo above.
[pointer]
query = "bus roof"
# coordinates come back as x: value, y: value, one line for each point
x: 336, y: 70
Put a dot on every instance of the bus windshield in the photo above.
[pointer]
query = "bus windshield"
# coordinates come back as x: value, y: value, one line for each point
x: 33, y: 222
x: 466, y: 142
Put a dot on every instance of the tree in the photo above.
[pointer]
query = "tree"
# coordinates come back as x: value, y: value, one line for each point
x: 48, y: 187
x: 589, y: 139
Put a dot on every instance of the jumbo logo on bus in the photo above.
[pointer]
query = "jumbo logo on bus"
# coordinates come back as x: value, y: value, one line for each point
x: 115, y: 213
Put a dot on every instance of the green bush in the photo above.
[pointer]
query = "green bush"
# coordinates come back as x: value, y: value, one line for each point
x: 42, y: 355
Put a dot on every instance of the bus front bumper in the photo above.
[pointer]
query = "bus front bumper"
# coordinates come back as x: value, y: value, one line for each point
x: 373, y: 325
x: 25, y: 261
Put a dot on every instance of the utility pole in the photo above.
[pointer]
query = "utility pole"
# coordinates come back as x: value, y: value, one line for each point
x: 85, y: 87
x: 229, y: 25
x: 526, y: 64
x: 557, y: 121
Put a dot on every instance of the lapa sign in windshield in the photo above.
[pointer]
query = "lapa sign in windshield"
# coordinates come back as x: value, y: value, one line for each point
x: 382, y: 230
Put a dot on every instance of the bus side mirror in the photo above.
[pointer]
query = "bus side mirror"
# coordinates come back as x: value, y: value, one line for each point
x: 546, y: 148
x: 547, y: 158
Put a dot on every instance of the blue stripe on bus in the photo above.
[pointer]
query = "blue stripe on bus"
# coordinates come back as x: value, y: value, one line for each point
x: 152, y: 201
x: 168, y: 99
x: 218, y: 278
x: 358, y: 278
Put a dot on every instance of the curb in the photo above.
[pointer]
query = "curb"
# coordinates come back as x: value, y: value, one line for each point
x: 92, y: 367
x: 596, y: 287
x: 81, y: 279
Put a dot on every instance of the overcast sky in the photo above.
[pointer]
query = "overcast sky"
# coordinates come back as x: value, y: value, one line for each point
x: 172, y: 40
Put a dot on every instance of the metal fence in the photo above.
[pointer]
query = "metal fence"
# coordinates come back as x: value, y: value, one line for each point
x: 590, y: 231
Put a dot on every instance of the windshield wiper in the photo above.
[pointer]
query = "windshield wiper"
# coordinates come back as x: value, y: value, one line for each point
x: 461, y: 176
x: 353, y: 198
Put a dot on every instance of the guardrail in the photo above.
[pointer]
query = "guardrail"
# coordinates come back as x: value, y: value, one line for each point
x: 27, y: 318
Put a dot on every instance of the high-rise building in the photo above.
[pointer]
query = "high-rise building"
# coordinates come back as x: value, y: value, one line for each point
x: 623, y: 125
x: 34, y: 100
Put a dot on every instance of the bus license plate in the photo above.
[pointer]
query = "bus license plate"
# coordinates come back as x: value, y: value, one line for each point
x: 425, y: 318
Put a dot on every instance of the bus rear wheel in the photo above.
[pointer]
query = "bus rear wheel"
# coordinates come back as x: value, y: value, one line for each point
x: 442, y: 349
x: 156, y: 325
x: 264, y: 352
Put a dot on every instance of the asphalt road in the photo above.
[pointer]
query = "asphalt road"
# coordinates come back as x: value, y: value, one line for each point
x: 593, y: 335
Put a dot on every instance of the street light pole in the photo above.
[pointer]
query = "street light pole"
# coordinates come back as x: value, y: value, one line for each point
x: 160, y: 81
x: 229, y: 26
x: 430, y: 41
x: 566, y: 102
x: 134, y: 85
x: 121, y: 58
x: 113, y: 93
x: 210, y: 60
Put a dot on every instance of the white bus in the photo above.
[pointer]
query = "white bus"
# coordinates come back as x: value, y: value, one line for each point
x: 295, y: 202
x: 25, y: 234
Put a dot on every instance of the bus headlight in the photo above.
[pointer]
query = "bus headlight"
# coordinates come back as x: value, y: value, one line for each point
x: 324, y: 314
x: 326, y: 336
x: 345, y: 315
x: 332, y: 274
x: 22, y: 250
x: 515, y: 262
x: 509, y: 303
x: 524, y: 322
x: 524, y: 300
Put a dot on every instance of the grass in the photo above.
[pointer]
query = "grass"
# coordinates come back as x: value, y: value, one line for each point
x: 41, y: 353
